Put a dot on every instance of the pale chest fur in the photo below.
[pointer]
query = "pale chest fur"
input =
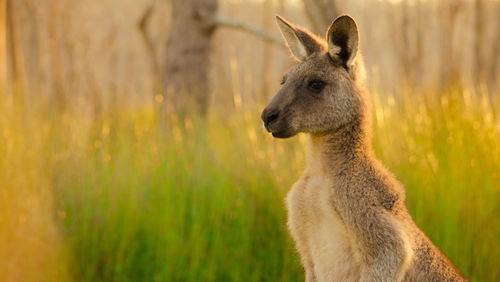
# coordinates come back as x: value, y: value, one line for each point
x: 323, y: 242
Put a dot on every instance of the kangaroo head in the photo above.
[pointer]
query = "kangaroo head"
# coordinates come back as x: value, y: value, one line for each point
x: 322, y: 92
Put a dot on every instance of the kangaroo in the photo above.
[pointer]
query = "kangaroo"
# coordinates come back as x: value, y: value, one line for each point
x: 346, y: 213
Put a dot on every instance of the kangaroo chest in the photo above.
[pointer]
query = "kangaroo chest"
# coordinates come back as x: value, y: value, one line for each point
x: 324, y: 244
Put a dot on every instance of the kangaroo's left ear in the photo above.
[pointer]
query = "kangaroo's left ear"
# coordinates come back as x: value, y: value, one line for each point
x: 300, y: 42
x: 343, y: 39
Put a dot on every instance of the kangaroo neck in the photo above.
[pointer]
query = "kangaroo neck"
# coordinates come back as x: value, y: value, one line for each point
x: 338, y: 148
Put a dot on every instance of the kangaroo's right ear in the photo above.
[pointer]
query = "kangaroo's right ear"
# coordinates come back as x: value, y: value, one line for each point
x: 343, y: 38
x: 301, y: 43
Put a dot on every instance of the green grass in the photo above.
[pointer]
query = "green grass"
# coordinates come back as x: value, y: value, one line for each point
x: 195, y: 200
x: 177, y: 205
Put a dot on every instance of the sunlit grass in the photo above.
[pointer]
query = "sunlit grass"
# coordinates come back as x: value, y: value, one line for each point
x: 122, y: 196
x: 31, y: 246
x: 445, y: 150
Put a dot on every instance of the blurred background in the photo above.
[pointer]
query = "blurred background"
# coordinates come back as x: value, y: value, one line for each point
x: 131, y: 146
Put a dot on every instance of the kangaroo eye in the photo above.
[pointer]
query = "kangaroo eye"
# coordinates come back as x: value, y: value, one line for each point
x: 316, y: 85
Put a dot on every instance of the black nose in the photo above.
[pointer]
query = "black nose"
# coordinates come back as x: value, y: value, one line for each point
x: 270, y: 116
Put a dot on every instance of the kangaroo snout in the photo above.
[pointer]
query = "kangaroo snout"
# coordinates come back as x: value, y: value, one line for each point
x: 270, y: 116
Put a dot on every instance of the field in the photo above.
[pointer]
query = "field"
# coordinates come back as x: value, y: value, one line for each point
x: 127, y: 196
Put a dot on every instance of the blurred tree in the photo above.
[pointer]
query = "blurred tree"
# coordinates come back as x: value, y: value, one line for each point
x: 479, y: 32
x: 55, y: 25
x: 32, y: 39
x: 450, y: 72
x: 150, y: 45
x: 266, y: 56
x: 3, y: 45
x: 188, y: 49
x: 321, y: 13
x: 419, y: 45
x: 193, y: 23
x: 14, y: 58
x: 494, y: 81
x: 405, y: 53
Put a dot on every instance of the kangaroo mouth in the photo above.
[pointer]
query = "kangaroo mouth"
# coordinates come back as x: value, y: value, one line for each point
x: 282, y: 134
x: 286, y: 133
x: 280, y: 129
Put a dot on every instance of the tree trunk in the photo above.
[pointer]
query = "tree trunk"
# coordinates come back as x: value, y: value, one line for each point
x: 406, y: 64
x: 479, y: 65
x: 3, y: 45
x: 267, y: 56
x: 321, y: 13
x: 56, y: 62
x: 13, y: 51
x: 188, y: 49
x: 150, y: 47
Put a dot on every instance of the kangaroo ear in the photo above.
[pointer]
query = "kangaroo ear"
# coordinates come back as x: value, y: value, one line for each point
x: 300, y: 42
x: 343, y: 39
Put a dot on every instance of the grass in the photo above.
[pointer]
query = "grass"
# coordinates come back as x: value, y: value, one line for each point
x: 119, y: 197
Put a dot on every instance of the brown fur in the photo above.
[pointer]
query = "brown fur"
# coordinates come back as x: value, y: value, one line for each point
x: 346, y: 213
